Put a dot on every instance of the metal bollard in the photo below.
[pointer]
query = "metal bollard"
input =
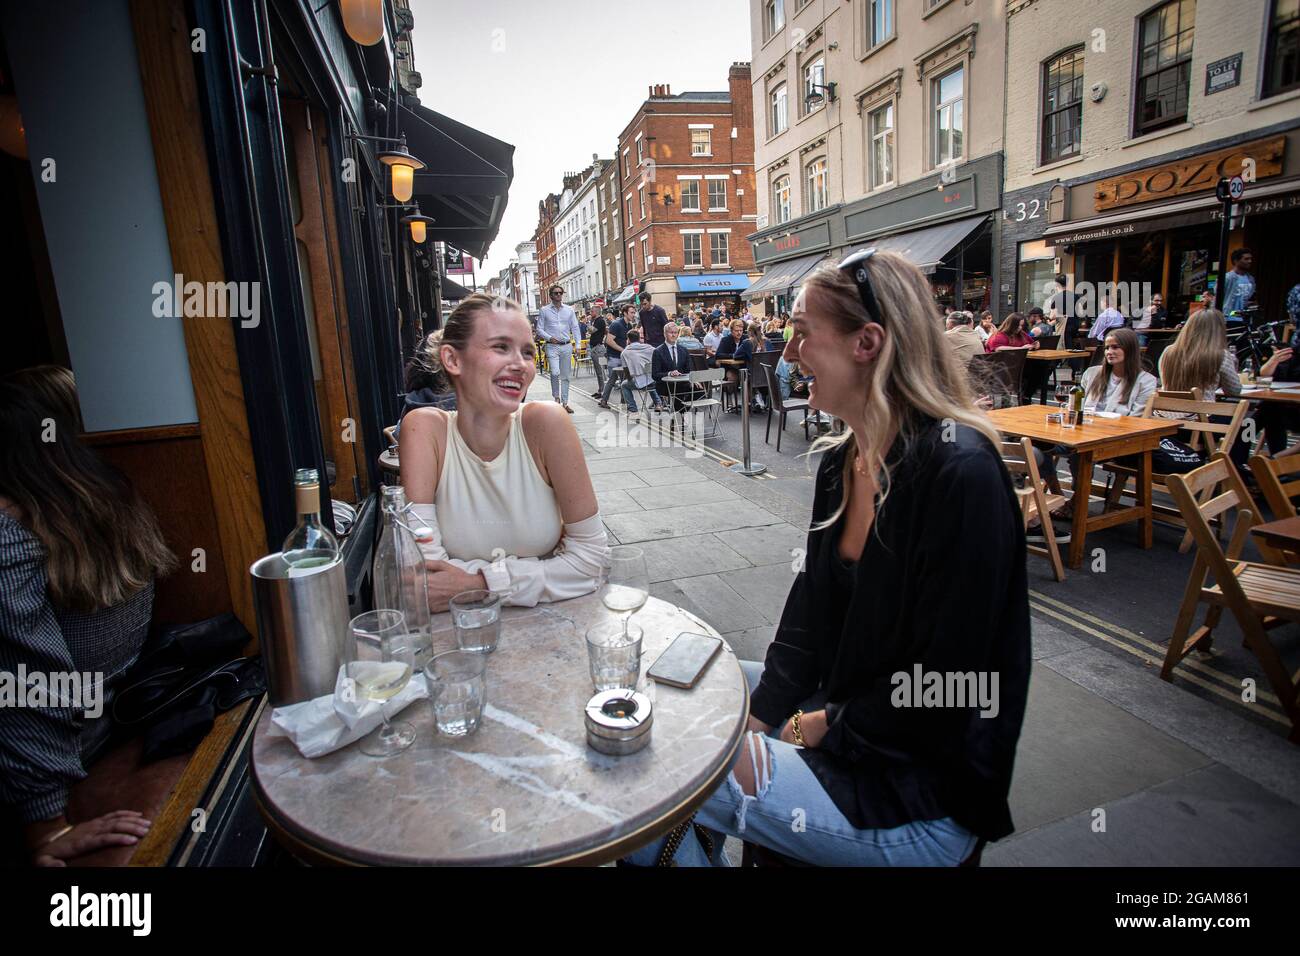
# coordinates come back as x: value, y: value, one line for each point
x: 745, y: 467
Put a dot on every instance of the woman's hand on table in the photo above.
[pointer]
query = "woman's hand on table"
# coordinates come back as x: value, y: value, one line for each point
x: 446, y: 581
x: 812, y: 725
x: 1278, y: 357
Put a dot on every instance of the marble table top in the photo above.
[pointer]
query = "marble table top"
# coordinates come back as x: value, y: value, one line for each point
x: 525, y: 789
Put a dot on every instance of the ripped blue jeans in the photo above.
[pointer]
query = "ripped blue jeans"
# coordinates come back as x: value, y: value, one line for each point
x: 793, y: 815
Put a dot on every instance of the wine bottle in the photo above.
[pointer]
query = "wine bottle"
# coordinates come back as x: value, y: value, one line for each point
x: 310, y: 545
x: 1076, y: 404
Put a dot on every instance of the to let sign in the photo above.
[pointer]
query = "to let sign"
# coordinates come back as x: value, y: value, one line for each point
x: 1192, y: 175
x: 1223, y: 74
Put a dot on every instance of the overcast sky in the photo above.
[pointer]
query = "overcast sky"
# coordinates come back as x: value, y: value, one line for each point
x: 559, y: 79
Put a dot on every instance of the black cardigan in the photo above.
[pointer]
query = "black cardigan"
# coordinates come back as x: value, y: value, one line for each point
x: 941, y: 583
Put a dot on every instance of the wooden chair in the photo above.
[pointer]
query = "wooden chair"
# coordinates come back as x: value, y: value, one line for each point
x: 1269, y: 473
x: 782, y: 407
x: 1260, y: 595
x: 1035, y: 500
x: 1208, y: 437
x: 999, y: 373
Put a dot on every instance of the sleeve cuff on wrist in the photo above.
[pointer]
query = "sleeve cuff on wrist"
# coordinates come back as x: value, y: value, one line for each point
x: 497, y: 577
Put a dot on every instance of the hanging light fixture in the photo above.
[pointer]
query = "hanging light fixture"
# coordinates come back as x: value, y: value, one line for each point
x: 363, y: 20
x: 403, y: 165
x: 419, y: 225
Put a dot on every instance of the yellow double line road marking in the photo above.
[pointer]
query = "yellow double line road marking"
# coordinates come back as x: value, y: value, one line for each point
x: 1189, y: 668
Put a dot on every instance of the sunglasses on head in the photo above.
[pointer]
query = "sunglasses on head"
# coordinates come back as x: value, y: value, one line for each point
x: 856, y: 266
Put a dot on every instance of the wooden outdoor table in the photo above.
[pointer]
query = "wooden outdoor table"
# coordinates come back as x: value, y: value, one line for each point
x: 1282, y: 535
x: 1101, y: 440
x: 1269, y: 395
x: 525, y: 789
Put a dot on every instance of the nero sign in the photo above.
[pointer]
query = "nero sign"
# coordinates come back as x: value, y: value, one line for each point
x: 955, y: 689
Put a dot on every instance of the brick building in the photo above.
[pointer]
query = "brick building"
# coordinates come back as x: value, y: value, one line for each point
x: 686, y: 163
x: 544, y: 239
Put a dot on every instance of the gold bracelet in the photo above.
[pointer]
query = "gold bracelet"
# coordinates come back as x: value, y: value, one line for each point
x: 794, y: 726
x: 51, y: 837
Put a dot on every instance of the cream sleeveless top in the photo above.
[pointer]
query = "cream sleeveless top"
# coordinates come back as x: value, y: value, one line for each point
x: 503, y: 505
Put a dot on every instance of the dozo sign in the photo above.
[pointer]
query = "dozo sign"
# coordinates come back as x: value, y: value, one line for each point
x: 1189, y: 175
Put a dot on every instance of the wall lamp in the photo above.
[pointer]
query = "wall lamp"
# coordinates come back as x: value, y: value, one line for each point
x: 816, y: 96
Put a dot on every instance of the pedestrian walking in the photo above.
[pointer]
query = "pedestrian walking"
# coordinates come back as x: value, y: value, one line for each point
x: 558, y: 326
x: 596, y: 349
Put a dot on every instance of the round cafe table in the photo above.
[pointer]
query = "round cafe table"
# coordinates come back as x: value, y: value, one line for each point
x: 525, y: 789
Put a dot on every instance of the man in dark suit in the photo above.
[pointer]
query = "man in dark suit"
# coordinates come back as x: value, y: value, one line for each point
x: 669, y: 358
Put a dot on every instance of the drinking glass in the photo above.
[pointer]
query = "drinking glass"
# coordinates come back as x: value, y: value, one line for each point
x: 627, y: 587
x: 384, y: 659
x: 1062, y: 394
x: 614, y: 653
x: 476, y: 616
x: 458, y: 690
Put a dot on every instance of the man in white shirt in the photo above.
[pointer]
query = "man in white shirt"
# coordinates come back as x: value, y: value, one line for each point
x: 1110, y: 318
x: 558, y: 327
x: 712, y: 337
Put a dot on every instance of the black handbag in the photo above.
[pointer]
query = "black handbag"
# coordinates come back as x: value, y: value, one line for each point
x: 1174, y: 457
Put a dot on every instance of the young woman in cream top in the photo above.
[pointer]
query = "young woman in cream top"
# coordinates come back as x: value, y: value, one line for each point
x: 504, y: 487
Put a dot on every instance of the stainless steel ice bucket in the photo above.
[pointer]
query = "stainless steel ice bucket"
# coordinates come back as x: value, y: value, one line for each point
x: 302, y: 625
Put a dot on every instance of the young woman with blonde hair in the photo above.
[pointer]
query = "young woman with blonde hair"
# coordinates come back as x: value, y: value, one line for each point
x: 494, y: 477
x: 913, y: 492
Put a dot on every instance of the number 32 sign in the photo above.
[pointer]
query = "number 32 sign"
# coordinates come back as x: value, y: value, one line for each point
x: 1026, y: 210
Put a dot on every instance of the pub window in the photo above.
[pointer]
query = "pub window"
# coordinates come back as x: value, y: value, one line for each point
x: 880, y: 126
x: 777, y: 114
x: 1063, y: 105
x: 1164, y: 65
x: 701, y: 142
x: 880, y: 22
x: 947, y: 100
x: 781, y: 200
x: 691, y: 249
x: 719, y: 249
x: 817, y: 184
x: 690, y: 195
x: 1282, y: 53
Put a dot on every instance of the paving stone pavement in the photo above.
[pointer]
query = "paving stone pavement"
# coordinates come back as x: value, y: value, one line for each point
x: 1115, y: 767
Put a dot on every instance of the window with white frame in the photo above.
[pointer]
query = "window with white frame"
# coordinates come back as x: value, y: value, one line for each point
x: 1164, y: 78
x: 631, y: 259
x: 690, y: 195
x: 640, y: 149
x: 1282, y: 51
x: 691, y: 249
x: 645, y: 252
x: 701, y: 142
x: 814, y: 75
x: 817, y: 185
x: 719, y: 249
x: 640, y: 195
x: 880, y: 127
x: 777, y: 120
x: 948, y: 122
x: 781, y: 200
x: 773, y: 17
x: 629, y: 212
x: 717, y: 195
x: 880, y: 21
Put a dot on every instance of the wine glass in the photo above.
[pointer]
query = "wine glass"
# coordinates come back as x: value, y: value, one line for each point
x: 1062, y: 394
x: 384, y: 660
x: 627, y: 587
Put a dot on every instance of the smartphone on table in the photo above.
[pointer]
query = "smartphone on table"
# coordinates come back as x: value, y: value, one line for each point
x: 685, y: 660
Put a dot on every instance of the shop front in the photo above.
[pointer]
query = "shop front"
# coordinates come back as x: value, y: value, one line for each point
x: 1131, y: 233
x: 787, y: 255
x: 704, y: 293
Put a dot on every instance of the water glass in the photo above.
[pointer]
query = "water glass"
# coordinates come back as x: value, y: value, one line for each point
x: 476, y: 616
x: 614, y: 653
x: 458, y: 689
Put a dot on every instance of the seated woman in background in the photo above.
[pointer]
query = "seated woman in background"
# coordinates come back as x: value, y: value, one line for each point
x: 79, y: 551
x: 493, y: 477
x: 914, y: 489
x: 1200, y: 358
x: 426, y: 384
x: 1011, y: 334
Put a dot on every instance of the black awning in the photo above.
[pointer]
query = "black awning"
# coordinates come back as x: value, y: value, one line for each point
x: 466, y: 179
x: 452, y: 290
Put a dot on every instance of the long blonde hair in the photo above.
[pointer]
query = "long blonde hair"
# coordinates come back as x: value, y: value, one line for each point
x: 1193, y: 360
x: 915, y: 373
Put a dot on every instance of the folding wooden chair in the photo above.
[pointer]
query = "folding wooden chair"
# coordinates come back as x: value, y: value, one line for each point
x: 1208, y: 437
x: 1035, y: 500
x: 1260, y: 595
x: 1269, y: 473
x: 999, y: 374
